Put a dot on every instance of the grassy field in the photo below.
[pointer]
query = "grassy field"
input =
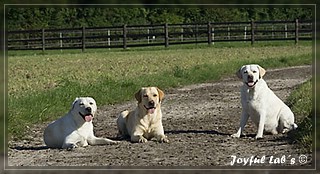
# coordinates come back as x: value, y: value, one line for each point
x: 42, y: 86
x: 300, y: 101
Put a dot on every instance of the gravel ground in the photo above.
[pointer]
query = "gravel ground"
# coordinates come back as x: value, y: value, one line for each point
x: 198, y: 120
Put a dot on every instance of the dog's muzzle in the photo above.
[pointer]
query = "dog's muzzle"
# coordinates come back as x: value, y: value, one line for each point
x: 151, y: 107
x: 250, y: 82
x: 88, y: 116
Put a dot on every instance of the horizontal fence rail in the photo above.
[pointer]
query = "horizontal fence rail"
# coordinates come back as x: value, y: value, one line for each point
x: 155, y: 35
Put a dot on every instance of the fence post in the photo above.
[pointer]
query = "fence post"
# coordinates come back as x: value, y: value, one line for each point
x: 229, y: 32
x: 272, y: 34
x: 286, y: 30
x: 83, y: 38
x: 43, y: 40
x: 60, y: 35
x: 166, y: 35
x: 245, y: 33
x: 212, y: 36
x: 209, y: 33
x: 252, y: 32
x: 148, y: 37
x: 124, y: 36
x: 109, y: 43
x: 296, y: 31
x: 196, y: 34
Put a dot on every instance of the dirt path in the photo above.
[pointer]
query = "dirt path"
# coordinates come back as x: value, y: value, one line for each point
x: 198, y: 120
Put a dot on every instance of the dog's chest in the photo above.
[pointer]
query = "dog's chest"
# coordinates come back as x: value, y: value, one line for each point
x: 253, y: 104
x: 252, y: 101
x: 149, y: 122
x: 85, y: 130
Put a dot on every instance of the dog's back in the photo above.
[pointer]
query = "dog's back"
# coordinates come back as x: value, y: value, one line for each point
x: 121, y: 124
x: 55, y: 133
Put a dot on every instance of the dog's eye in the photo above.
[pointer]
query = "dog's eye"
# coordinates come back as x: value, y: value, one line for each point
x: 91, y: 103
x: 254, y: 71
x: 245, y: 72
x: 154, y: 95
x: 145, y: 95
x: 81, y: 104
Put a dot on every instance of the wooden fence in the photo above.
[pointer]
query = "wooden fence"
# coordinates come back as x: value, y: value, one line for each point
x: 155, y: 35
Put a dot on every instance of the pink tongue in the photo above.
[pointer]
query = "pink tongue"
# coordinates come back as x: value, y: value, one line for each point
x: 151, y: 111
x: 88, y: 118
x: 250, y: 83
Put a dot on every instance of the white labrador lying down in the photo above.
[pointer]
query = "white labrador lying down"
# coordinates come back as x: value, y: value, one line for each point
x: 145, y: 122
x: 75, y: 128
x: 266, y: 110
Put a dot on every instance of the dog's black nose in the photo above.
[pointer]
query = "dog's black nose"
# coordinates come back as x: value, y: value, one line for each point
x: 151, y: 103
x: 88, y: 109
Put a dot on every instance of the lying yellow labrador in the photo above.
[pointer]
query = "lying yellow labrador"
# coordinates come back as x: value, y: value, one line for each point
x: 75, y: 128
x: 145, y: 122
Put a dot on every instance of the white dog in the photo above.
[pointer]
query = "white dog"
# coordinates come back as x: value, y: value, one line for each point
x: 145, y: 122
x: 75, y: 128
x: 266, y: 110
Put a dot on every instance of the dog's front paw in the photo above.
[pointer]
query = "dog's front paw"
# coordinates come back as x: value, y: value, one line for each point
x: 110, y: 142
x: 236, y: 135
x: 163, y: 139
x: 274, y: 132
x: 258, y: 137
x: 138, y: 139
x: 71, y: 147
x: 142, y: 140
x: 114, y: 142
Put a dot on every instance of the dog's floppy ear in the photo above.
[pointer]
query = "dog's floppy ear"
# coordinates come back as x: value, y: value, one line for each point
x: 262, y: 71
x: 161, y: 94
x: 239, y: 74
x: 138, y: 96
x: 74, y: 102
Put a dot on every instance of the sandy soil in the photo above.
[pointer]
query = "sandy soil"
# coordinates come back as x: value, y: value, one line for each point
x: 198, y: 120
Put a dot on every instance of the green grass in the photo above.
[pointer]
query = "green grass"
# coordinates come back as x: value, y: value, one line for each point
x: 42, y: 87
x: 300, y: 101
x: 157, y: 48
x: 43, y: 72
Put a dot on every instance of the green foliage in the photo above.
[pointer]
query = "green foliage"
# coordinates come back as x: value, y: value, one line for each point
x: 164, y: 15
x: 23, y: 18
x: 300, y: 102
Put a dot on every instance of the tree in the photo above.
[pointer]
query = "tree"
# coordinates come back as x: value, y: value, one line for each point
x: 164, y: 15
x: 58, y: 17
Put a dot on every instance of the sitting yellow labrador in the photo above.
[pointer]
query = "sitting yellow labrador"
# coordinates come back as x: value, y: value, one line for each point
x: 145, y: 122
x: 258, y: 101
x: 75, y: 128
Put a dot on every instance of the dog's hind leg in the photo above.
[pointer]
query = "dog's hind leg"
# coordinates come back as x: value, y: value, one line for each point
x: 121, y: 124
